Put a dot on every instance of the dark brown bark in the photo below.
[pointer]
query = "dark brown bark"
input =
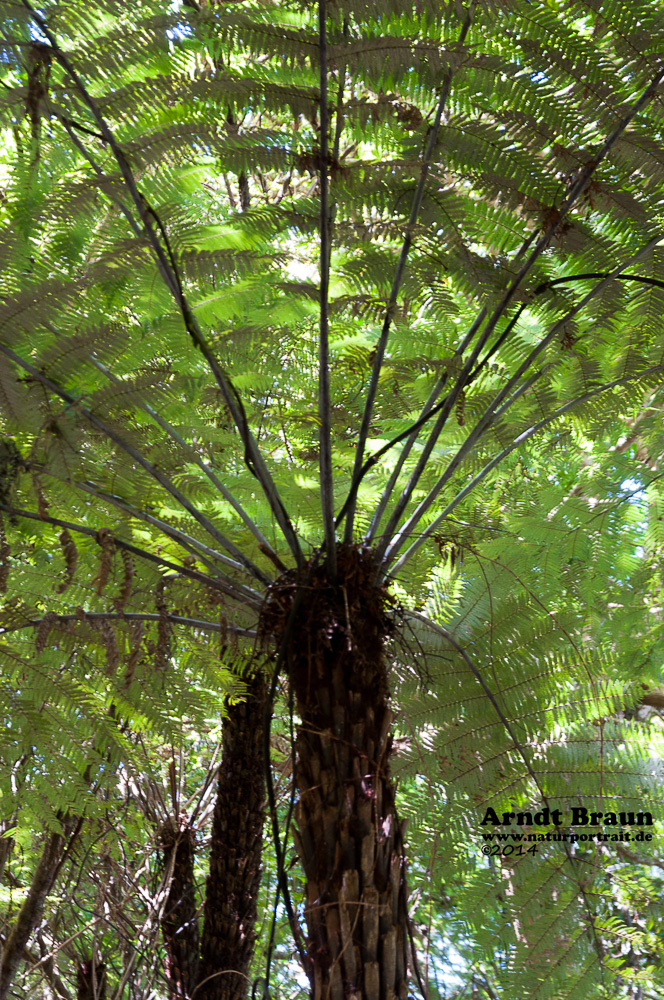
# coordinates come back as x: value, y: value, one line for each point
x: 90, y: 980
x: 179, y: 923
x: 229, y: 928
x: 31, y: 910
x: 348, y: 835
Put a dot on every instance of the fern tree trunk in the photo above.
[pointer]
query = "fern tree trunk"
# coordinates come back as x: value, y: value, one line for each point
x: 179, y: 923
x: 90, y: 980
x: 231, y: 895
x: 348, y: 835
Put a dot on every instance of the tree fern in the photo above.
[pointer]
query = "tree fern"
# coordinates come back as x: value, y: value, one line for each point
x: 483, y: 186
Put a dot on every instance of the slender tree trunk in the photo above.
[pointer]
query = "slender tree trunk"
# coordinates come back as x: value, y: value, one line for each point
x: 348, y: 835
x: 31, y: 910
x: 229, y: 927
x: 179, y: 923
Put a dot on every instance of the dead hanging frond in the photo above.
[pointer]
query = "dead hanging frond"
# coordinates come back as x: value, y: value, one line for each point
x: 105, y: 540
x: 42, y: 502
x: 111, y: 645
x: 162, y: 650
x: 70, y: 552
x: 5, y: 553
x: 134, y: 654
x: 49, y: 621
x: 129, y: 572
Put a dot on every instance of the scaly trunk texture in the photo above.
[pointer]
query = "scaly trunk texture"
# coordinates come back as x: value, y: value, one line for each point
x: 348, y: 835
x: 179, y: 923
x: 90, y: 980
x: 229, y: 926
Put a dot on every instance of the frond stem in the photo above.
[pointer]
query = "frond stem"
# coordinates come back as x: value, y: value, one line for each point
x: 324, y: 403
x: 524, y: 436
x: 489, y: 416
x: 152, y: 470
x: 252, y: 454
x: 135, y: 616
x: 188, y: 542
x: 226, y: 586
x: 444, y: 408
x: 398, y: 277
x: 203, y: 466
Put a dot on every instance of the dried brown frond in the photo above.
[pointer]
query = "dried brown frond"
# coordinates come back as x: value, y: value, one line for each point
x: 38, y: 67
x: 461, y: 409
x: 129, y: 572
x: 10, y: 466
x: 111, y: 643
x: 70, y: 553
x: 5, y: 553
x: 134, y: 654
x: 49, y: 620
x: 105, y: 540
x: 42, y: 502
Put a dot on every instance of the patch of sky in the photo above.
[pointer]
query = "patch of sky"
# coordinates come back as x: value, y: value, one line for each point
x: 635, y: 492
x: 182, y: 30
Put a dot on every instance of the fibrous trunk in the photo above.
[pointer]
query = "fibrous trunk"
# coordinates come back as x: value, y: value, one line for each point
x: 348, y: 835
x: 179, y: 922
x: 229, y: 929
x: 90, y: 980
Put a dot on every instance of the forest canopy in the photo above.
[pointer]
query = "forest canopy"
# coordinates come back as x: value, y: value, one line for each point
x: 331, y: 553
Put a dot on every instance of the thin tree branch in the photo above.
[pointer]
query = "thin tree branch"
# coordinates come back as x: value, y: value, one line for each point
x: 188, y: 542
x: 47, y: 971
x: 398, y: 277
x: 445, y: 410
x: 544, y: 287
x: 31, y: 910
x: 428, y: 411
x: 339, y: 123
x: 133, y: 616
x: 449, y: 403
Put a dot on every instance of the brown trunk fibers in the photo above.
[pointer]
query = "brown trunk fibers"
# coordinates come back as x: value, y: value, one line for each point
x: 231, y: 895
x: 231, y: 892
x: 179, y: 923
x: 348, y: 836
x: 90, y: 980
